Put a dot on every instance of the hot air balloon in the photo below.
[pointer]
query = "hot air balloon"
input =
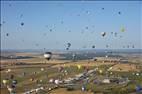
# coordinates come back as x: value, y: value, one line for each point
x: 69, y: 44
x: 138, y: 88
x: 51, y: 80
x: 7, y: 34
x: 40, y: 81
x: 13, y: 86
x: 107, y: 46
x: 9, y: 70
x: 48, y: 55
x: 87, y: 12
x: 103, y: 33
x: 122, y: 29
x: 119, y: 12
x: 14, y: 82
x: 137, y: 74
x: 86, y: 27
x: 115, y: 34
x: 21, y: 15
x: 10, y: 89
x: 79, y: 66
x: 133, y: 46
x: 50, y: 30
x: 93, y: 46
x: 110, y: 69
x: 100, y: 71
x: 31, y: 79
x: 67, y: 48
x: 73, y: 56
x: 22, y: 23
x: 83, y: 88
x: 111, y: 32
x: 42, y: 69
x: 5, y: 81
x: 69, y: 31
x: 56, y: 81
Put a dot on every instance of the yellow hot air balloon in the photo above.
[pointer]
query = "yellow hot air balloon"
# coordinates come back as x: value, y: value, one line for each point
x: 5, y: 81
x: 100, y: 71
x: 122, y: 29
x: 79, y: 66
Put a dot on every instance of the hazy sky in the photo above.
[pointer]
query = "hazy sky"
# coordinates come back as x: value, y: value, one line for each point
x: 52, y: 25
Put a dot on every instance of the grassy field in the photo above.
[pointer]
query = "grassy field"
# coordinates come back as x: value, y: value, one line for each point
x: 36, y: 73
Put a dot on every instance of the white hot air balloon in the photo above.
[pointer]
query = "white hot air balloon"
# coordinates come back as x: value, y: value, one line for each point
x: 51, y: 80
x: 10, y: 89
x: 42, y: 69
x: 9, y: 70
x: 56, y: 82
x: 48, y: 55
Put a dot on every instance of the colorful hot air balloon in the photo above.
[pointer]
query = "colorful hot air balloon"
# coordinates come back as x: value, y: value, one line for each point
x: 14, y: 82
x: 138, y: 88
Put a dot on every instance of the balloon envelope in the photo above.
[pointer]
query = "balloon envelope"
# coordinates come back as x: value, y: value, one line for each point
x: 93, y: 46
x: 79, y: 66
x: 7, y: 34
x: 103, y: 33
x: 122, y: 29
x: 5, y: 81
x: 69, y: 44
x: 48, y: 55
x: 22, y: 24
